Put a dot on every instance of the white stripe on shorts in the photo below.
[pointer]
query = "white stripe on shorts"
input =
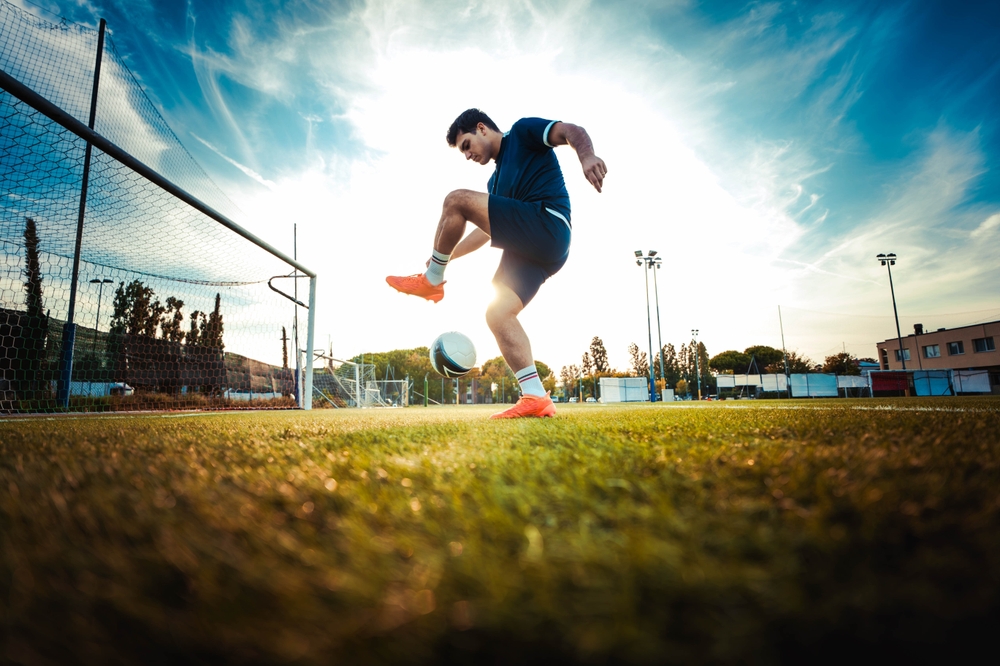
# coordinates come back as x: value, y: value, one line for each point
x: 561, y: 217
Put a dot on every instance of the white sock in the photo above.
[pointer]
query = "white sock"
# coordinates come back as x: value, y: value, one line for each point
x: 529, y: 381
x: 435, y: 272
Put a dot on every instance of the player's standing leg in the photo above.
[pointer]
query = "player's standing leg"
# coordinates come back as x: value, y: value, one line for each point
x: 501, y: 316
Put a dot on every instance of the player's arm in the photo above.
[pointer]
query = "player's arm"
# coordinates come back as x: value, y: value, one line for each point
x: 594, y: 168
x: 470, y: 243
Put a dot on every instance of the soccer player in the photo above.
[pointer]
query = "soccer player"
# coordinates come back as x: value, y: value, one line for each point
x: 526, y: 213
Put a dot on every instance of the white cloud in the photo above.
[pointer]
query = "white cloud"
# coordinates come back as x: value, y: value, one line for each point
x: 986, y: 228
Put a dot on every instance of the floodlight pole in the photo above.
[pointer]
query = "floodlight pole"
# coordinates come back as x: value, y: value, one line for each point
x: 697, y: 369
x: 643, y: 261
x: 659, y: 335
x: 889, y: 260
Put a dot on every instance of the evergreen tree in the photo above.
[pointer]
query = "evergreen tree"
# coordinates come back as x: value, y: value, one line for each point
x: 213, y: 327
x: 599, y: 355
x: 284, y: 348
x: 30, y: 347
x: 670, y: 367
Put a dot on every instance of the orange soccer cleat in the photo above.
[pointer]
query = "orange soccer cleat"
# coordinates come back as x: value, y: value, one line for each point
x: 417, y: 285
x: 529, y: 406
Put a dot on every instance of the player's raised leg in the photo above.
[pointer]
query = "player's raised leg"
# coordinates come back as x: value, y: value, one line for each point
x: 501, y: 316
x: 459, y: 207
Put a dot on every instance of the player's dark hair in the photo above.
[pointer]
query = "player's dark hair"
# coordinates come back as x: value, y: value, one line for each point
x: 467, y: 122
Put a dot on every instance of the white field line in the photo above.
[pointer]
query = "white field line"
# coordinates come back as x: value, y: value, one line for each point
x: 873, y: 408
x: 112, y: 417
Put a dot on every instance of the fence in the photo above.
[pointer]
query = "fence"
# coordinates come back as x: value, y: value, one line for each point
x: 120, y: 262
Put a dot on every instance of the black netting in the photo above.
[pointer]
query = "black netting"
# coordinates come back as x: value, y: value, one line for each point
x: 172, y: 309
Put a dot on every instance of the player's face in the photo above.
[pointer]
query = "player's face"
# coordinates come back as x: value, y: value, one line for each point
x: 476, y: 146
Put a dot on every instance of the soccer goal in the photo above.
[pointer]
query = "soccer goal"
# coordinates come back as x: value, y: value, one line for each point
x: 125, y: 280
x: 351, y: 384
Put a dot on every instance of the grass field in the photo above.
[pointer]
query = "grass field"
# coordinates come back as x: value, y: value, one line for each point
x: 732, y: 532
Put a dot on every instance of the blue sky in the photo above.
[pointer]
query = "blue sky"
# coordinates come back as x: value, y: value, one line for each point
x: 768, y: 150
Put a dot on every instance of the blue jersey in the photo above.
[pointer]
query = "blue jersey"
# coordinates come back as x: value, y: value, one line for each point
x: 527, y: 168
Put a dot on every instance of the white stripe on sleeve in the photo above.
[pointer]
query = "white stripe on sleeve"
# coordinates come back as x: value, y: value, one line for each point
x: 545, y: 134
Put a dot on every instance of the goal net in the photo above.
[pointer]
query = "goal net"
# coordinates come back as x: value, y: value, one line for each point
x: 350, y: 384
x: 125, y: 281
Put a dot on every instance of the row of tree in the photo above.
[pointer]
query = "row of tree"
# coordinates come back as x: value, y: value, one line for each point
x: 137, y: 311
x: 673, y: 367
x: 26, y: 368
x: 761, y: 359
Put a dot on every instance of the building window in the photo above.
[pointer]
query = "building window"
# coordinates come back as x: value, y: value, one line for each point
x: 906, y: 354
x: 956, y: 348
x: 932, y: 351
x: 983, y: 344
x: 885, y: 359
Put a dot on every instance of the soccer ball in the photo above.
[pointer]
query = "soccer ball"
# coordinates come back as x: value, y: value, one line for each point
x: 453, y: 355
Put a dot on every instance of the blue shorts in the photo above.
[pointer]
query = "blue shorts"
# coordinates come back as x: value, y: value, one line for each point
x: 535, y: 244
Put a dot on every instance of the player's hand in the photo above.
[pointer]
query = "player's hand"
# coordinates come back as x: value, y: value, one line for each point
x: 594, y: 170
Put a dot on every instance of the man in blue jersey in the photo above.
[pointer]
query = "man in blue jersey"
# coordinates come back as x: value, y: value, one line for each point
x: 526, y: 213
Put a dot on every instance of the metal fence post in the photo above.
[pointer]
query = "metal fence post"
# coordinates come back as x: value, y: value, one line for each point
x: 69, y: 328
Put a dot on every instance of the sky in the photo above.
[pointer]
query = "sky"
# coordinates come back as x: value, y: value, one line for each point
x: 767, y: 150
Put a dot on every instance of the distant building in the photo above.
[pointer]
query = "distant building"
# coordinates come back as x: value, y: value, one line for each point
x: 963, y: 348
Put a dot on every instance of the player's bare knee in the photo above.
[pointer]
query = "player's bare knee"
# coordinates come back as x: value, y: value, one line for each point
x: 456, y: 200
x: 496, y: 315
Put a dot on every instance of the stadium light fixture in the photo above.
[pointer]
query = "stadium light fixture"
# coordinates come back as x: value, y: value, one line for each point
x: 889, y: 260
x: 652, y: 253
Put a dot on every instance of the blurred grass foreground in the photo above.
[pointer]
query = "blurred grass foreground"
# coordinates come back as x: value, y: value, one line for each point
x: 727, y: 533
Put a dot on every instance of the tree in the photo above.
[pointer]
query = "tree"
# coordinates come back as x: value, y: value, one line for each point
x: 587, y: 365
x: 569, y: 376
x: 30, y: 346
x: 599, y: 355
x: 198, y: 323
x: 707, y: 380
x: 764, y: 356
x: 639, y: 360
x: 170, y: 322
x: 671, y: 371
x: 730, y: 362
x: 284, y: 348
x: 211, y: 333
x: 135, y: 311
x: 796, y: 365
x: 842, y: 364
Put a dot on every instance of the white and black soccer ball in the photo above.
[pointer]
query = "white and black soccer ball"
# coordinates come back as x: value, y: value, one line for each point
x: 453, y: 355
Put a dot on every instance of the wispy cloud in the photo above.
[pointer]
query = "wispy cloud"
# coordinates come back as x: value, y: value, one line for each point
x: 246, y: 170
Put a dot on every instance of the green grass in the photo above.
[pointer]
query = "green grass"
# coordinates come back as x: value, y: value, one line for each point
x: 727, y: 533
